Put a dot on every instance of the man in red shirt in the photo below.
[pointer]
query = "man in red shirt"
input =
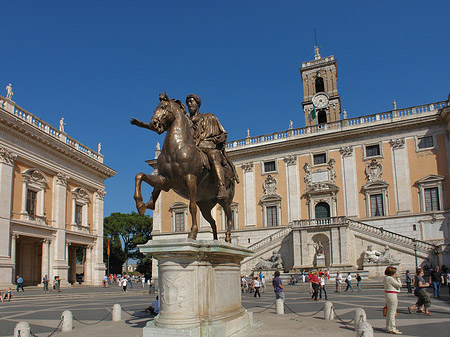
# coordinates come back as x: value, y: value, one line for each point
x: 315, y: 285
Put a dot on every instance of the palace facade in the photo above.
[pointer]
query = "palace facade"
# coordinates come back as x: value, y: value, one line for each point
x: 51, y: 202
x: 344, y: 184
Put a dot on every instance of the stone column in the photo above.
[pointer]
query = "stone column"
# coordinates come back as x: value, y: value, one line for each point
x: 72, y: 261
x: 88, y: 266
x: 98, y: 269
x: 349, y: 182
x: 344, y: 242
x: 59, y: 252
x: 45, y: 258
x: 304, y: 248
x: 7, y: 159
x: 249, y: 194
x: 400, y: 171
x: 293, y: 195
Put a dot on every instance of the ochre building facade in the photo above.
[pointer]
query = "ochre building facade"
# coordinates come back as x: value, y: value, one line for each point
x: 379, y: 180
x: 51, y: 202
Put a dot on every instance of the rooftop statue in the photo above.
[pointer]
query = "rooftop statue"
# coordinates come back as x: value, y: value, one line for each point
x: 192, y: 161
x: 9, y: 92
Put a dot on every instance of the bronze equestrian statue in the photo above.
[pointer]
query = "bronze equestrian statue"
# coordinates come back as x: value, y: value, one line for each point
x: 192, y: 162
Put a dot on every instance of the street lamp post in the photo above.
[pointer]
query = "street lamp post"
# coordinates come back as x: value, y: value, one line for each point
x: 415, y: 251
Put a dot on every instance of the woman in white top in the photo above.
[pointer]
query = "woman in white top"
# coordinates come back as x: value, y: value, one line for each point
x: 256, y: 286
x: 392, y: 285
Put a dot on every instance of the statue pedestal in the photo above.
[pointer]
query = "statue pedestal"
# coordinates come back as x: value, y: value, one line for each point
x: 199, y: 288
x: 320, y: 261
x: 376, y: 270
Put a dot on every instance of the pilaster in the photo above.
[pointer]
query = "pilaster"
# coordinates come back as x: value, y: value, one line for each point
x: 59, y: 218
x: 296, y: 244
x: 401, y: 176
x: 249, y: 194
x: 293, y: 194
x: 45, y: 263
x: 349, y: 182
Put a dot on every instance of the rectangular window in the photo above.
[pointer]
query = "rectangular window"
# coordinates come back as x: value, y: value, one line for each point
x: 376, y: 205
x: 179, y: 222
x: 31, y: 202
x: 320, y: 158
x: 272, y: 220
x: 373, y: 150
x: 269, y: 166
x: 78, y: 214
x: 425, y: 142
x: 432, y: 199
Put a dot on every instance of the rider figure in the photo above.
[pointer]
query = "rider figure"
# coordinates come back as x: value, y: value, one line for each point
x: 210, y: 137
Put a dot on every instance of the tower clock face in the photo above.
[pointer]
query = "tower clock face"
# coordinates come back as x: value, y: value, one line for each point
x: 320, y: 100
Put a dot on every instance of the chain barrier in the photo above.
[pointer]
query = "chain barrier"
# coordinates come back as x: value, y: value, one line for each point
x: 52, y: 333
x: 309, y: 315
x: 271, y: 306
x: 84, y: 323
x: 340, y: 319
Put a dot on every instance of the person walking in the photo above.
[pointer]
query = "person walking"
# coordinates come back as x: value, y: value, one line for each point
x: 124, y: 284
x: 338, y: 282
x: 277, y: 286
x: 358, y: 280
x: 348, y: 280
x: 45, y: 283
x: 392, y: 285
x: 408, y: 282
x: 436, y: 278
x: 256, y: 286
x: 315, y: 283
x: 421, y: 292
x: 323, y: 279
x: 263, y: 284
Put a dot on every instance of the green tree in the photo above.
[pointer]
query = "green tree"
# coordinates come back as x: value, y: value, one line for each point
x: 128, y: 231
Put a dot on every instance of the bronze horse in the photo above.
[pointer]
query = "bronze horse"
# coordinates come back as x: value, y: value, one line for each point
x: 184, y: 168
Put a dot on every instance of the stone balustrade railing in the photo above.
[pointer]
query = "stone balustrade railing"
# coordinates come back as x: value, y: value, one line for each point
x: 8, y: 106
x: 338, y: 220
x: 277, y: 236
x: 345, y: 124
x: 406, y: 240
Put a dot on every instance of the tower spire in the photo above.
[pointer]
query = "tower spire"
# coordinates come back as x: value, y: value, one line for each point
x: 316, y: 47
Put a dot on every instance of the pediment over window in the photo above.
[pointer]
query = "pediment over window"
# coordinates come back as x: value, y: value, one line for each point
x: 321, y: 188
x: 270, y: 197
x: 35, y: 176
x: 380, y: 184
x: 81, y: 194
x: 432, y: 178
x: 177, y: 205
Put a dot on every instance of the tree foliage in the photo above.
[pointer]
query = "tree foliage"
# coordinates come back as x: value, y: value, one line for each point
x: 126, y: 231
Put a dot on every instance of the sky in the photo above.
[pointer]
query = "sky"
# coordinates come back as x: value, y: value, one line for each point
x: 99, y: 63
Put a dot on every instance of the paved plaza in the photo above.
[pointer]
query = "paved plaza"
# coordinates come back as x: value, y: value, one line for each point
x: 91, y: 305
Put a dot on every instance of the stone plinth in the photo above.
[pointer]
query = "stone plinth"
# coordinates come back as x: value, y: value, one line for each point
x: 376, y: 270
x: 320, y: 261
x: 199, y: 288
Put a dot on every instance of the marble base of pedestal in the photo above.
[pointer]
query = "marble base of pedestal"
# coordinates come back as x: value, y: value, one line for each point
x: 199, y: 287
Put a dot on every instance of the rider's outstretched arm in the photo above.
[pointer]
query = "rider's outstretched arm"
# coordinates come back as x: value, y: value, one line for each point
x: 137, y: 122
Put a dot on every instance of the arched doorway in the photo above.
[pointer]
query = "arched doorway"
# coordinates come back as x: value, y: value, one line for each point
x: 322, y: 210
x: 322, y: 117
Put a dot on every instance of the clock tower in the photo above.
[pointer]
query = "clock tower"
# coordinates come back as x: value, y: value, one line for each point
x: 321, y: 101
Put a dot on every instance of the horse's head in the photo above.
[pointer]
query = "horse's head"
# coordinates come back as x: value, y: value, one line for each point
x: 165, y: 113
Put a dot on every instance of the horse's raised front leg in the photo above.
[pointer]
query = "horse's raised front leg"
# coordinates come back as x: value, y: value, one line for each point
x: 226, y: 204
x: 205, y: 208
x: 191, y: 182
x: 158, y: 182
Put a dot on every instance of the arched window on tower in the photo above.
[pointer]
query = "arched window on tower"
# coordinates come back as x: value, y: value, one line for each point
x: 322, y: 117
x: 320, y: 86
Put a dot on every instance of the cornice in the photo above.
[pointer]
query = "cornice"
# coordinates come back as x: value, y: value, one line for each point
x: 26, y: 133
x: 332, y: 136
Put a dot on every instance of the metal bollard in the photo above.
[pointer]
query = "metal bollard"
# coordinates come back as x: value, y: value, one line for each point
x: 67, y: 324
x: 360, y: 316
x: 280, y: 306
x: 364, y: 330
x: 116, y: 313
x: 328, y: 312
x: 22, y: 329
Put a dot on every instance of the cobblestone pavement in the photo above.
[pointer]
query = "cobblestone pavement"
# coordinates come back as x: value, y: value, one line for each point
x: 90, y: 305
